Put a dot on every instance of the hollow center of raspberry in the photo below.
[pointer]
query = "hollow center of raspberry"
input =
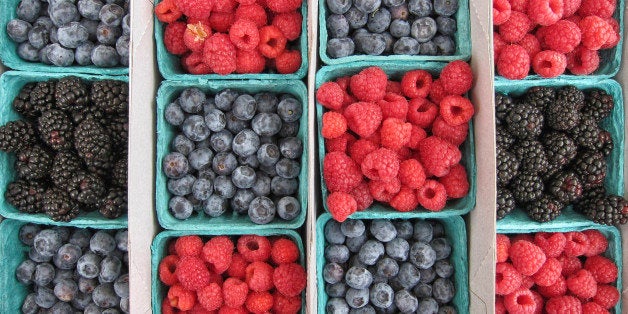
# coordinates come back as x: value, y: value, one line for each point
x: 172, y: 268
x: 252, y: 246
x: 429, y: 193
x: 246, y: 39
x: 498, y: 278
x: 272, y: 42
x: 456, y: 110
x: 546, y: 64
x: 525, y: 300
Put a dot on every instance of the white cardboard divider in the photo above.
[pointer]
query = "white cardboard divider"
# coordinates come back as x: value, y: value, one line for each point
x: 622, y: 78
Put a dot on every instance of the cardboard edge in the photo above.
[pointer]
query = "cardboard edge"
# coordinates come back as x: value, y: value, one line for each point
x: 622, y: 78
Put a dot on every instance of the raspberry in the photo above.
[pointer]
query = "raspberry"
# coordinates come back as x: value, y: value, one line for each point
x: 363, y: 118
x: 218, y: 252
x: 437, y: 91
x: 167, y: 11
x: 593, y: 308
x: 513, y: 62
x: 603, y: 269
x: 570, y: 265
x: 225, y: 6
x: 548, y: 273
x: 520, y: 301
x: 601, y: 8
x: 507, y: 279
x: 284, y: 251
x: 384, y: 191
x: 286, y: 305
x: 519, y: 5
x: 199, y: 309
x: 522, y: 236
x: 405, y: 200
x: 456, y: 77
x: 244, y: 34
x: 192, y: 273
x: 432, y: 195
x: 564, y: 36
x: 583, y: 61
x: 500, y: 308
x: 290, y: 279
x: 393, y: 106
x: 167, y: 269
x: 499, y: 44
x: 549, y: 63
x: 551, y: 243
x: 422, y: 112
x: 210, y: 297
x: 456, y: 135
x: 527, y: 282
x: 195, y: 34
x: 288, y: 62
x: 455, y: 182
x: 289, y: 23
x: 614, y: 37
x: 595, y: 32
x: 220, y: 54
x: 539, y: 301
x: 253, y: 12
x: 456, y: 110
x: 393, y: 87
x: 166, y: 308
x: 395, y: 133
x: 531, y: 44
x: 597, y: 242
x: 526, y: 257
x: 237, y: 269
x: 381, y: 164
x: 181, y: 298
x: 607, y: 296
x: 558, y: 288
x: 333, y: 125
x: 340, y: 172
x: 545, y: 12
x: 348, y: 99
x: 173, y: 38
x: 280, y: 6
x: 563, y: 304
x: 501, y: 248
x: 369, y: 84
x: 582, y: 284
x: 416, y: 83
x: 570, y: 7
x: 501, y: 11
x: 416, y: 136
x: 362, y: 196
x: 577, y: 243
x: 234, y: 292
x: 221, y: 22
x: 254, y: 248
x: 232, y: 310
x: 411, y: 173
x: 339, y: 144
x: 341, y: 205
x: 259, y: 276
x: 517, y: 26
x: 259, y: 302
x: 344, y: 82
x: 330, y: 95
x: 188, y: 245
x: 194, y: 63
x: 272, y: 42
x: 437, y: 155
x: 249, y: 62
x: 197, y: 9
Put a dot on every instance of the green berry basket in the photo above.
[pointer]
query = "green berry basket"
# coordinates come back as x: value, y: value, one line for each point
x: 612, y: 234
x: 614, y: 124
x: 456, y: 233
x: 168, y: 92
x: 462, y: 39
x: 10, y: 58
x: 10, y: 84
x: 159, y: 250
x: 395, y: 71
x: 170, y: 65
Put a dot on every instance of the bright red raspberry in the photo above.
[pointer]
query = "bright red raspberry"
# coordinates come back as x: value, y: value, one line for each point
x: 558, y: 288
x: 456, y: 77
x: 517, y: 26
x: 199, y: 309
x: 595, y: 32
x: 603, y: 269
x: 577, y: 243
x: 259, y: 276
x: 395, y: 133
x: 549, y: 63
x: 284, y: 251
x: 334, y: 125
x: 593, y: 308
x: 615, y: 36
x: 520, y: 301
x: 330, y: 95
x: 384, y: 191
x: 192, y: 273
x: 438, y: 155
x: 339, y: 144
x: 244, y: 34
x: 225, y: 6
x: 500, y: 308
x: 437, y: 91
x: 552, y: 243
x: 563, y: 304
x: 405, y: 200
x: 531, y: 44
x: 499, y: 44
x: 289, y: 23
x: 432, y: 195
x: 513, y: 62
x: 527, y: 257
x: 195, y: 34
x: 393, y: 106
x: 539, y: 300
x: 597, y: 242
x: 583, y: 61
x: 340, y: 172
x: 290, y: 279
x: 237, y: 269
x: 416, y: 83
x: 545, y: 12
x: 601, y: 8
x: 607, y: 296
x: 210, y: 297
x: 220, y: 54
x: 570, y: 7
x: 194, y: 63
x: 221, y: 22
x: 369, y: 84
x: 234, y: 292
x: 232, y: 310
x: 286, y: 305
x: 501, y: 249
x: 198, y: 9
x: 527, y: 282
x: 259, y: 302
x: 167, y: 11
x: 455, y: 182
x: 167, y: 270
x: 173, y: 38
x: 393, y: 87
x: 249, y: 62
x: 363, y: 118
x: 188, y: 245
x: 253, y: 12
x: 453, y: 134
x: 344, y: 82
x: 574, y: 18
x: 422, y: 112
x: 166, y: 308
x: 582, y: 284
x: 563, y: 36
x: 254, y: 248
x: 181, y: 298
x: 272, y: 42
x: 507, y: 279
x: 501, y: 11
x: 416, y: 136
x: 362, y: 196
x: 218, y: 252
x: 289, y: 61
x: 548, y: 273
x: 281, y: 6
x: 381, y: 164
x: 570, y: 264
x: 411, y: 173
x: 341, y: 205
x: 456, y: 110
x: 522, y: 236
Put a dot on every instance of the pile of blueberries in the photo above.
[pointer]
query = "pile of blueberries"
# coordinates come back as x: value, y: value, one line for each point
x: 235, y: 152
x: 69, y: 32
x: 388, y: 266
x: 74, y: 270
x: 384, y: 27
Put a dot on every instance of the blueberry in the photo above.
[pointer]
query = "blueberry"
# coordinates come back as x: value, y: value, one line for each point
x: 287, y: 168
x: 291, y: 147
x: 358, y: 278
x: 29, y: 306
x: 447, y: 309
x: 340, y: 47
x: 234, y: 124
x: 81, y: 300
x: 422, y: 255
x: 266, y: 124
x: 354, y: 261
x: 201, y: 158
x: 61, y: 308
x: 406, y: 46
x: 37, y: 257
x: 44, y: 274
x: 420, y: 8
x: 337, y: 306
x: 126, y: 25
x: 88, y: 265
x: 245, y: 143
x: 110, y: 269
x: 423, y: 29
x: 370, y: 252
x: 18, y: 30
x: 181, y: 187
x: 354, y: 244
x: 27, y: 233
x: 390, y: 42
x: 367, y: 6
x: 445, y: 7
x: 352, y: 228
x: 243, y: 177
x: 383, y: 230
x: 175, y: 165
x: 381, y: 295
x: 174, y: 114
x: 38, y: 36
x: 224, y: 163
x: 45, y: 297
x: 215, y: 120
x: 44, y: 21
x: 423, y: 231
x: 47, y: 242
x: 333, y: 233
x: 266, y: 102
x: 105, y: 56
x: 250, y: 161
x: 399, y: 12
x: 223, y: 187
x: 289, y: 129
x: 370, y: 44
x: 289, y: 109
x: 195, y: 129
x: 422, y: 290
x: 337, y: 26
x: 399, y: 28
x: 357, y: 298
x: 28, y: 10
x: 443, y: 268
x: 241, y: 201
x: 427, y: 275
x: 406, y: 302
x: 336, y: 253
x: 92, y: 309
x: 283, y: 187
x: 333, y: 273
x: 208, y: 174
x: 225, y: 98
x: 262, y: 184
x: 409, y: 276
x: 221, y: 141
x: 191, y: 100
x: 444, y: 44
x: 182, y: 144
x: 122, y: 240
x: 268, y: 170
x: 288, y: 208
x: 92, y: 29
x: 215, y: 206
x: 428, y: 48
x: 244, y: 107
x: 64, y: 233
x: 27, y: 52
x: 356, y: 18
x: 393, y: 3
x: 386, y: 268
x: 72, y: 35
x: 63, y: 12
x: 268, y: 155
x: 442, y: 248
x: 124, y: 305
x: 65, y: 290
x: 104, y: 296
x: 398, y: 249
x: 108, y: 35
x: 90, y: 9
x: 202, y: 189
x: 111, y: 14
x: 67, y: 256
x: 262, y: 210
x: 404, y: 228
x: 378, y: 21
x: 121, y: 286
x: 446, y: 25
x: 338, y: 6
x: 428, y: 305
x: 336, y: 290
x: 102, y: 243
x: 25, y: 271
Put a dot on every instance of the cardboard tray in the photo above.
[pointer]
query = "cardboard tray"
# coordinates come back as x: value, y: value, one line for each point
x: 10, y: 85
x: 167, y: 93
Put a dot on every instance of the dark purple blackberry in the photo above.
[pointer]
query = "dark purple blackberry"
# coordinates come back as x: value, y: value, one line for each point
x: 59, y: 206
x: 86, y: 188
x: 89, y: 112
x: 589, y: 196
x: 572, y: 95
x: 118, y: 127
x: 114, y: 204
x: 33, y: 163
x: 119, y: 173
x: 507, y: 166
x: 561, y: 115
x: 26, y: 196
x: 532, y: 156
x: 22, y: 103
x: 566, y: 187
x: 93, y: 144
x: 605, y: 145
x: 503, y: 138
x: 71, y: 93
x: 16, y: 135
x: 42, y: 96
x: 55, y: 129
x: 64, y: 166
x: 587, y: 133
x: 608, y: 210
x: 505, y: 202
x: 524, y: 121
x: 591, y: 168
x: 503, y: 103
x: 544, y: 209
x: 597, y: 105
x: 526, y: 187
x: 540, y: 97
x: 110, y: 96
x: 560, y: 149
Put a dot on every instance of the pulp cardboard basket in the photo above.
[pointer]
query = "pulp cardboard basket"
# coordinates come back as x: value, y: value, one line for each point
x: 456, y: 232
x: 170, y: 65
x: 395, y: 71
x: 614, y: 124
x: 462, y: 38
x: 168, y: 92
x: 8, y: 51
x: 159, y: 250
x: 10, y: 84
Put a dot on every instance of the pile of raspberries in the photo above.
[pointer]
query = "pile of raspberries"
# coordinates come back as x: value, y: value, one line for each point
x: 255, y: 274
x: 555, y: 273
x: 229, y: 36
x: 552, y: 35
x: 395, y: 142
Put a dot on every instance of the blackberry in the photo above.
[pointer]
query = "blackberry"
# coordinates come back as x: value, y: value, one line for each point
x: 597, y: 105
x: 572, y: 95
x: 505, y: 202
x: 605, y: 145
x: 608, y: 210
x: 560, y: 149
x: 59, y: 206
x: 526, y: 187
x: 93, y: 145
x: 16, y: 135
x: 26, y: 196
x: 589, y: 196
x: 524, y: 121
x: 544, y: 209
x: 110, y: 96
x: 503, y: 138
x: 566, y: 187
x: 507, y: 167
x: 71, y: 93
x: 22, y: 103
x: 591, y: 167
x: 55, y: 129
x: 42, y: 96
x: 587, y: 133
x: 118, y: 127
x: 532, y: 156
x: 64, y: 166
x: 86, y: 188
x: 540, y: 96
x: 561, y: 115
x: 119, y: 173
x: 89, y: 112
x: 114, y: 204
x: 33, y: 163
x: 503, y: 104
